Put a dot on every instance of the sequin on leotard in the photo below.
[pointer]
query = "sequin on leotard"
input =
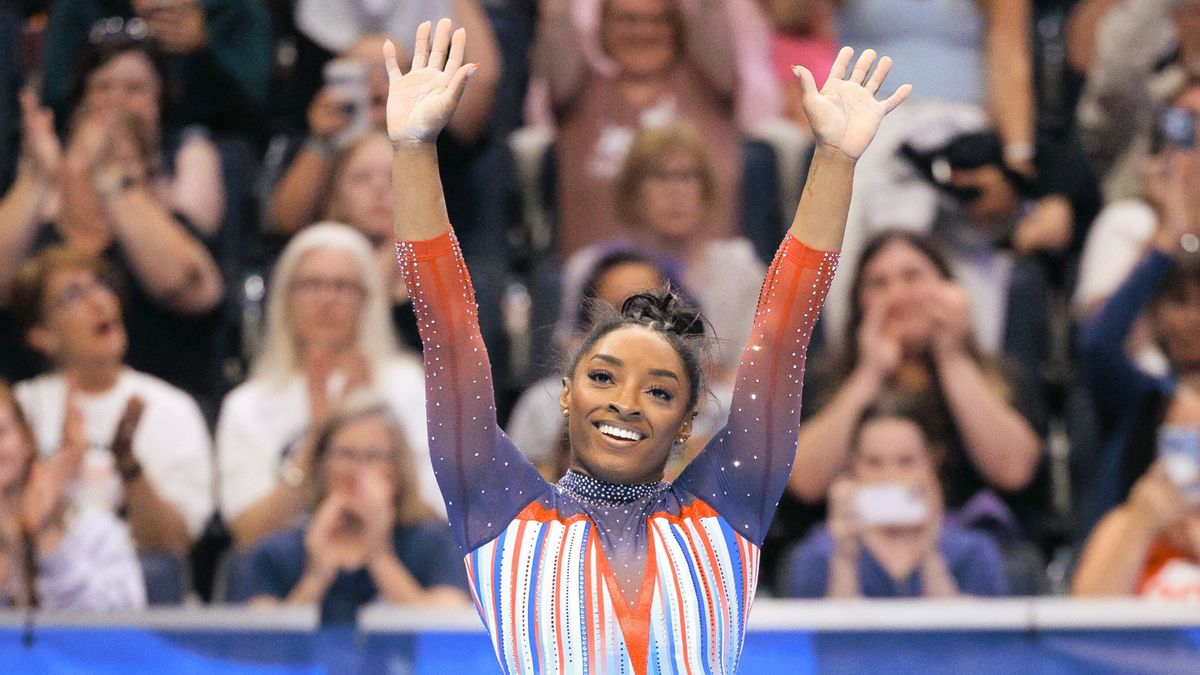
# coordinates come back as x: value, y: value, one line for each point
x: 548, y: 563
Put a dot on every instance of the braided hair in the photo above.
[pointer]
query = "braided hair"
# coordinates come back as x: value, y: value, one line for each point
x: 669, y: 315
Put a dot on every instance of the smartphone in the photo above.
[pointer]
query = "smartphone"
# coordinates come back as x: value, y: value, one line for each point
x: 1177, y: 129
x: 348, y: 79
x: 889, y: 504
x: 1179, y: 452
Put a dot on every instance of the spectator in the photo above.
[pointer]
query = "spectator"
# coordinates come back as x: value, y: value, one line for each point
x: 327, y: 335
x: 112, y: 205
x: 126, y: 73
x: 970, y: 66
x: 1145, y: 51
x: 371, y: 534
x: 757, y: 97
x: 671, y: 63
x: 668, y: 199
x: 218, y: 51
x: 297, y: 198
x: 804, y: 33
x: 161, y: 477
x: 1165, y: 286
x: 76, y: 560
x: 908, y: 552
x: 913, y: 329
x: 1148, y: 546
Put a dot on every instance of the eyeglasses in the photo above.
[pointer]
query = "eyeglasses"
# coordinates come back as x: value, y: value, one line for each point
x: 115, y: 29
x: 343, y: 288
x: 78, y: 291
x: 347, y: 456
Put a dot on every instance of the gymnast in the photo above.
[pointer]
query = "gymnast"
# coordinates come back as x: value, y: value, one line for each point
x: 611, y: 569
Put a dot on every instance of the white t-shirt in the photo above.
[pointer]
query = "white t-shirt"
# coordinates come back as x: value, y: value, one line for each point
x: 171, y: 442
x: 260, y: 420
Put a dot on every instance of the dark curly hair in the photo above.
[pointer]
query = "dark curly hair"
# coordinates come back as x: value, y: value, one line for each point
x: 669, y: 315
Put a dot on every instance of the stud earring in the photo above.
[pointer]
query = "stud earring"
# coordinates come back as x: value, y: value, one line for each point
x: 566, y: 413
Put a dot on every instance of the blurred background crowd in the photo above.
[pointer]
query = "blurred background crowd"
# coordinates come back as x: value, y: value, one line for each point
x: 215, y: 391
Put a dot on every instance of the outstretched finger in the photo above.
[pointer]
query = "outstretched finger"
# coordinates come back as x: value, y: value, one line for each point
x: 862, y: 67
x: 897, y: 98
x: 389, y: 61
x: 838, y: 71
x: 441, y: 44
x: 421, y: 47
x: 881, y: 72
x: 458, y: 83
x: 458, y: 47
x: 808, y: 84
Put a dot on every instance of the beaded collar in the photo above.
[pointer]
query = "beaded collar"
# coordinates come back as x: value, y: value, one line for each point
x: 590, y: 489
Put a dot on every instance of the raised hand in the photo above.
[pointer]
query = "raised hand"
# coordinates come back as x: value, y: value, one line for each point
x: 879, y: 350
x: 41, y: 152
x: 421, y: 101
x: 844, y: 114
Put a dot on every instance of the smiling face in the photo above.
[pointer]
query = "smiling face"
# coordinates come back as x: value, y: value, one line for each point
x: 627, y: 402
x: 326, y: 297
x: 900, y: 277
x: 640, y: 35
x: 129, y: 83
x: 81, y: 324
x: 362, y: 191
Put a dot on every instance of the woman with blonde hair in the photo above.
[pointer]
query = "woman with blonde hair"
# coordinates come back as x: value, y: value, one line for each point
x: 371, y: 534
x: 327, y: 334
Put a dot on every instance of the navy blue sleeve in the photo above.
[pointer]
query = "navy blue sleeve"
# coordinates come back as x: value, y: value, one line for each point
x: 1107, y: 370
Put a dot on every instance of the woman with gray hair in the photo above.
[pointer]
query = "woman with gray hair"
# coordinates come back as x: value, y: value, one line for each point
x: 328, y: 334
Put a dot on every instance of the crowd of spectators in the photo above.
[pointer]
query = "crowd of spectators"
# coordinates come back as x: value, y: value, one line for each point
x: 210, y: 379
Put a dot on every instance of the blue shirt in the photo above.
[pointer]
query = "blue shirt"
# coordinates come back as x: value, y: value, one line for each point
x: 276, y: 564
x: 972, y: 557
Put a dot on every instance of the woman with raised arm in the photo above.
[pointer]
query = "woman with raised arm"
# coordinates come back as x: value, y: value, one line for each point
x: 612, y: 568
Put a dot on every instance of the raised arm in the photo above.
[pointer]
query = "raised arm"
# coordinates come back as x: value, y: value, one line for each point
x: 484, y: 479
x: 743, y: 470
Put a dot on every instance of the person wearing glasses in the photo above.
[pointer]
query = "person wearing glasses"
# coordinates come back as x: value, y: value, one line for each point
x: 160, y: 476
x: 328, y: 334
x: 371, y: 535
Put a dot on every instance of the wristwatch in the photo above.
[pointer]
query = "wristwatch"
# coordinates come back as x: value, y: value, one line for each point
x: 291, y: 474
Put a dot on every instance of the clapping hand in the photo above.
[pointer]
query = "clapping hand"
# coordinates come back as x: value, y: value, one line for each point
x: 122, y: 442
x: 844, y: 114
x: 421, y: 101
x: 41, y: 152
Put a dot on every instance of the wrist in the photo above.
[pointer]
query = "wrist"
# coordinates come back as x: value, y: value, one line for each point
x: 1017, y: 153
x: 827, y: 152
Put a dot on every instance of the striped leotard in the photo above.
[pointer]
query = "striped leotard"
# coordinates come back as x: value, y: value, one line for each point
x: 589, y: 577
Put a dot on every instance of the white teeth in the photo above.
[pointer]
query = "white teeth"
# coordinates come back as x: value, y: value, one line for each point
x: 617, y: 432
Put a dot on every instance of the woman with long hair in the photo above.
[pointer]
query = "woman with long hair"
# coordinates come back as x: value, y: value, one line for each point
x: 613, y: 567
x: 328, y: 334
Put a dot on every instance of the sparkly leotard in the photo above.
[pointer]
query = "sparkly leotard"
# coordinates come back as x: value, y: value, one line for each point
x: 553, y: 568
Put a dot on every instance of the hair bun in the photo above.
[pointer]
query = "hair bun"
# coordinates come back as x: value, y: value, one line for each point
x: 664, y: 310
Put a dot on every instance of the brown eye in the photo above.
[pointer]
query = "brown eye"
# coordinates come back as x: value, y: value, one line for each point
x: 600, y: 377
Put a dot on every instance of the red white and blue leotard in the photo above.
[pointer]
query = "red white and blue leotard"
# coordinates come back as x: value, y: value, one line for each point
x: 547, y: 563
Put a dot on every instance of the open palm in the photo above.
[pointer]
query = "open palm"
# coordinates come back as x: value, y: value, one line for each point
x: 421, y: 102
x: 845, y: 114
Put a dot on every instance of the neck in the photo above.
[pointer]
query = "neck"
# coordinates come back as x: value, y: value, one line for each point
x: 593, y: 489
x: 95, y: 378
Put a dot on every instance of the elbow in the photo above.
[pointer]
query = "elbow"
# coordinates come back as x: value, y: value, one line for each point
x: 806, y: 487
x: 199, y: 291
x: 1018, y: 471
